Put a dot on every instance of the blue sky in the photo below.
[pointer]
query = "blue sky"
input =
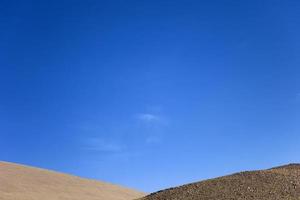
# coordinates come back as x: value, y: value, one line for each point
x: 150, y: 94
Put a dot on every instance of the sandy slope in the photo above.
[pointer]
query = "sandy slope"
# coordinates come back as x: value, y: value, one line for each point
x: 18, y: 182
x: 281, y: 183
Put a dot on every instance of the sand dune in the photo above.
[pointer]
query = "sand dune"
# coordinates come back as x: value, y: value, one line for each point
x: 281, y: 183
x: 18, y: 182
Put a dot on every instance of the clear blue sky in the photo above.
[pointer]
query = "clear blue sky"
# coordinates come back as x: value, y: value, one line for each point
x: 150, y: 94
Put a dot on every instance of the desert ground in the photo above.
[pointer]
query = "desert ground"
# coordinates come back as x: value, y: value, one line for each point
x: 280, y: 183
x: 19, y: 182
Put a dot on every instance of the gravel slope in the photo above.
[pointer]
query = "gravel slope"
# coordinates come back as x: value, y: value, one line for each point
x: 281, y: 183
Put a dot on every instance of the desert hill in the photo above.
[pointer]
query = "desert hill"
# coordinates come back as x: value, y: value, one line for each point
x: 280, y: 183
x: 18, y: 182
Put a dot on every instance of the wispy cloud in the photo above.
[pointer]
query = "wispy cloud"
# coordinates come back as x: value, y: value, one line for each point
x: 104, y: 146
x: 143, y: 131
x: 152, y: 127
x: 147, y: 117
x: 152, y: 119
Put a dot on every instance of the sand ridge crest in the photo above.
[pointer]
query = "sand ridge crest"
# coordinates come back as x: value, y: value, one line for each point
x: 20, y: 182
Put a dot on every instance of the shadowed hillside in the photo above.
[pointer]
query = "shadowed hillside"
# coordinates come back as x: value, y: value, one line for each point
x: 18, y: 182
x: 280, y: 183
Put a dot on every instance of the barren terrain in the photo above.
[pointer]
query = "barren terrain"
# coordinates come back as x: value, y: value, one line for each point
x: 281, y: 183
x: 18, y: 182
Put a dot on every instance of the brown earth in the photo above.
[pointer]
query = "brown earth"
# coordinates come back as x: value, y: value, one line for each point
x: 18, y: 182
x: 280, y: 183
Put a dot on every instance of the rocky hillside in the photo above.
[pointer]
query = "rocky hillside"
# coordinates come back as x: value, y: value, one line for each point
x: 280, y: 183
